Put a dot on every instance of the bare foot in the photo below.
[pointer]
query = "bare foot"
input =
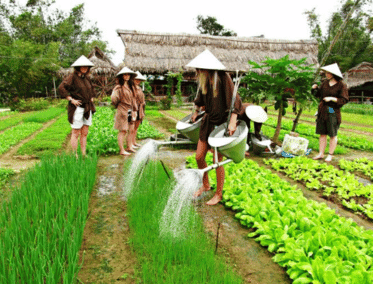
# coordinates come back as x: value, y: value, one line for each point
x: 247, y: 154
x: 215, y: 200
x: 125, y: 153
x: 201, y: 190
x: 318, y: 157
x: 131, y: 150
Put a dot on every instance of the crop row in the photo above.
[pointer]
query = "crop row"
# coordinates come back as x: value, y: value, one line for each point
x: 187, y: 257
x: 313, y: 143
x: 102, y: 137
x: 49, y: 141
x: 45, y: 115
x: 41, y: 225
x: 16, y: 134
x: 358, y: 142
x: 328, y: 179
x: 362, y: 165
x: 40, y: 117
x: 342, y: 130
x: 310, y: 240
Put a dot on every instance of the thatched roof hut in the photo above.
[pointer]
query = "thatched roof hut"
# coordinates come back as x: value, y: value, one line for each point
x: 103, y: 64
x: 359, y: 75
x: 158, y: 53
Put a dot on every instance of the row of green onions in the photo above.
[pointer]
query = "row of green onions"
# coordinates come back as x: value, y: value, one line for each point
x: 41, y: 225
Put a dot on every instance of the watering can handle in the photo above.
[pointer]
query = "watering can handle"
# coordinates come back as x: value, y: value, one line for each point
x: 236, y: 84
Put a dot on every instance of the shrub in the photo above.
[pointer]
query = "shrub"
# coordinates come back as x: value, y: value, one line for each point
x: 29, y: 104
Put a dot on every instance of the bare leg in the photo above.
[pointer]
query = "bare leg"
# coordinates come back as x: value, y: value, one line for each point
x: 137, y: 124
x: 322, y: 146
x: 332, y: 146
x: 202, y: 148
x: 83, y: 139
x: 130, y: 138
x: 220, y: 175
x: 121, y: 136
x: 74, y: 140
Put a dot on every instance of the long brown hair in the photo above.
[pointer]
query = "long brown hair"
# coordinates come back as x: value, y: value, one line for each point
x: 208, y: 79
x: 131, y: 82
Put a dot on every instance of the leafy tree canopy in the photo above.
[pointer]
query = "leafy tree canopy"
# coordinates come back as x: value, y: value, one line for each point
x: 209, y: 25
x: 355, y: 42
x: 279, y: 79
x: 37, y: 40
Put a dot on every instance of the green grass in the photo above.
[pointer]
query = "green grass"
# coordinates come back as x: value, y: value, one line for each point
x: 42, y: 223
x: 169, y: 260
x: 49, y: 141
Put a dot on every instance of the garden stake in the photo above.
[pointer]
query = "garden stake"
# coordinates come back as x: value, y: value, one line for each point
x: 165, y: 169
x: 217, y: 238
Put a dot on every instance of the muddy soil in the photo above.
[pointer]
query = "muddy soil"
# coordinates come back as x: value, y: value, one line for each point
x: 106, y: 253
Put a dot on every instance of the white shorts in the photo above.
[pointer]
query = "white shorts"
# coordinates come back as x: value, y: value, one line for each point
x: 79, y: 120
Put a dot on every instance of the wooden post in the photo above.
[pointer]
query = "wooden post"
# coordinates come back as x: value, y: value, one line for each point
x: 362, y: 97
x: 54, y: 87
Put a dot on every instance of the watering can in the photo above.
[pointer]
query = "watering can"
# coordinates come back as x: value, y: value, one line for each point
x: 233, y: 147
x: 190, y: 129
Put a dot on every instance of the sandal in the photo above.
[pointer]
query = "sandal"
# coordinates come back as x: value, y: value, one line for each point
x: 329, y: 158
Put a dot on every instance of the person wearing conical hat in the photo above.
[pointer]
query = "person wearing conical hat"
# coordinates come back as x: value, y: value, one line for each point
x: 256, y: 114
x: 215, y: 97
x: 140, y: 100
x: 78, y: 89
x: 333, y: 94
x: 123, y: 99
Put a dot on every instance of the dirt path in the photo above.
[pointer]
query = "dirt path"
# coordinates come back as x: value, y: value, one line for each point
x: 107, y: 255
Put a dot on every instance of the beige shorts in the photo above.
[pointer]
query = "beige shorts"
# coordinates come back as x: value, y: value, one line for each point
x: 79, y: 120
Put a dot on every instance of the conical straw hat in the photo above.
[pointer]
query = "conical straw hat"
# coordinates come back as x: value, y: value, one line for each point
x: 206, y: 60
x: 82, y: 61
x: 256, y: 113
x: 139, y: 76
x: 126, y: 70
x: 334, y: 69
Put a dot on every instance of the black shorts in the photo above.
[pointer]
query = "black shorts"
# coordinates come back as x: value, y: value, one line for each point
x: 329, y: 126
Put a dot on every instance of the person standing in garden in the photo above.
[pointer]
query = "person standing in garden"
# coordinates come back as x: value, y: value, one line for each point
x: 140, y: 100
x: 256, y: 114
x: 77, y: 88
x: 123, y: 99
x: 333, y: 94
x: 215, y: 96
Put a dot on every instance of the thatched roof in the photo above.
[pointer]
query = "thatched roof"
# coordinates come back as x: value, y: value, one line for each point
x: 159, y: 53
x: 359, y: 75
x: 103, y: 64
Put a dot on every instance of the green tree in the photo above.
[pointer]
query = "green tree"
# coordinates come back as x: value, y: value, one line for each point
x: 354, y: 44
x: 37, y: 40
x: 280, y: 79
x: 210, y: 25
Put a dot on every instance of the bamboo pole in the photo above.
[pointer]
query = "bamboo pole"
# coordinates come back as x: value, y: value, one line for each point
x: 325, y: 57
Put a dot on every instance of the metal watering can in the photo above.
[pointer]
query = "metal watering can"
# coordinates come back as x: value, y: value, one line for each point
x: 233, y: 147
x: 190, y: 129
